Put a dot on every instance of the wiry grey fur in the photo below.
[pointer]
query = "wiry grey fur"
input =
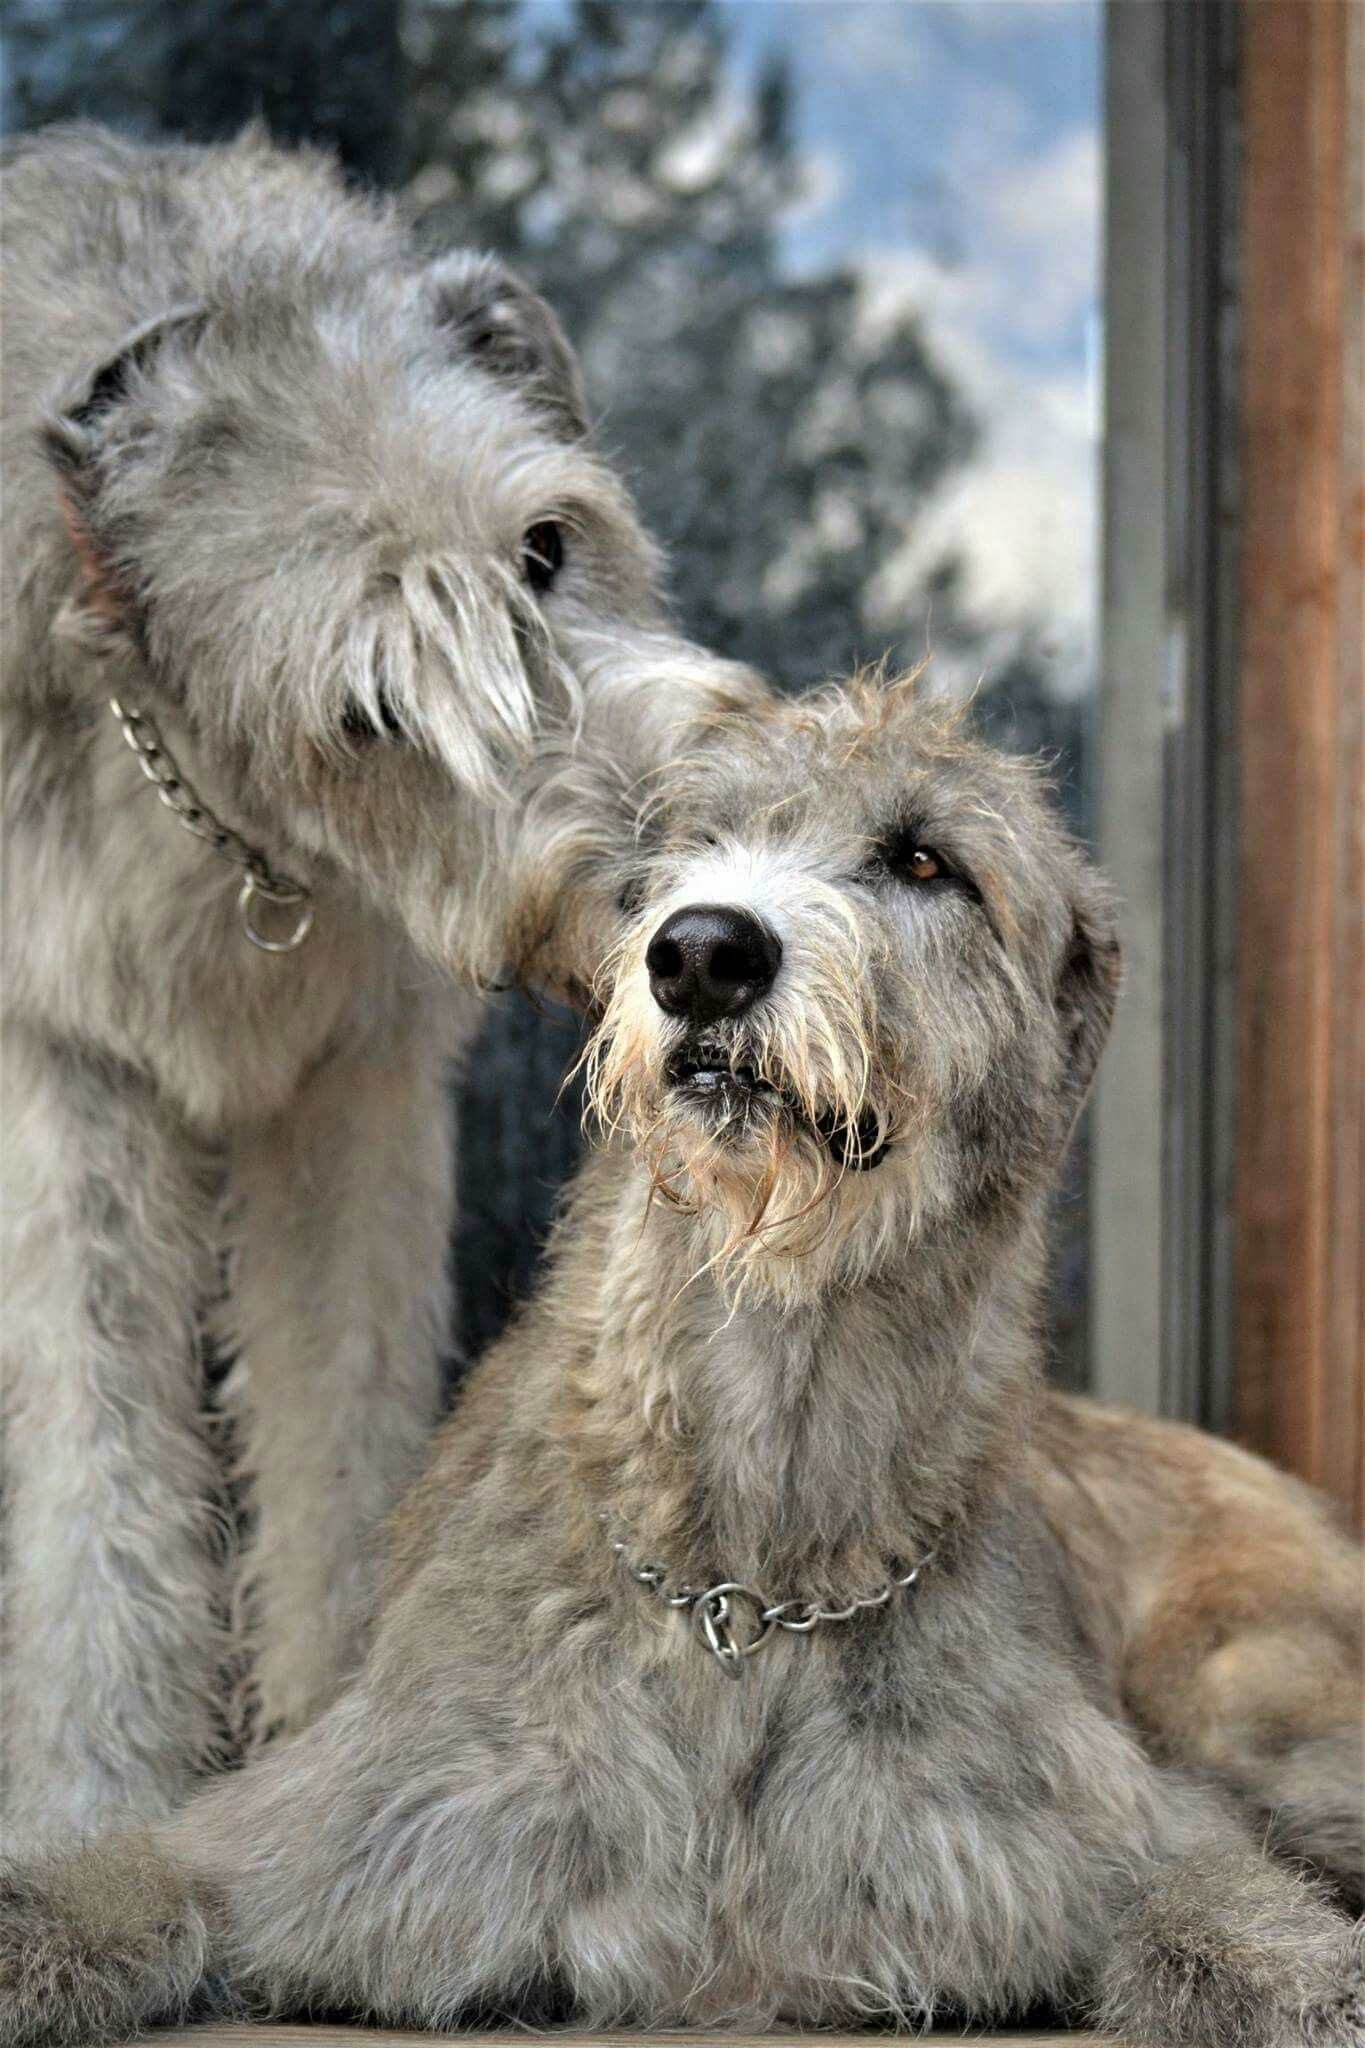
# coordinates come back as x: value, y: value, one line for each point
x: 267, y: 478
x: 541, y: 1794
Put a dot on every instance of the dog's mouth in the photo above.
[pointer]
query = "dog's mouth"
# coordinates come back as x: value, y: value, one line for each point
x: 728, y: 1094
x: 707, y: 1073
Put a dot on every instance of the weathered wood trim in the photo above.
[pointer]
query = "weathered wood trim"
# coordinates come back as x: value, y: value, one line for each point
x: 1300, y: 1376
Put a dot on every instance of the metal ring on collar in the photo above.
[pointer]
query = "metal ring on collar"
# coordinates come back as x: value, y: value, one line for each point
x: 279, y: 892
x: 713, y: 1614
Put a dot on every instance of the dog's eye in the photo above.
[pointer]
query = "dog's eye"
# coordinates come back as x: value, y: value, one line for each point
x: 542, y: 554
x: 908, y: 858
x: 360, y: 729
x: 922, y: 865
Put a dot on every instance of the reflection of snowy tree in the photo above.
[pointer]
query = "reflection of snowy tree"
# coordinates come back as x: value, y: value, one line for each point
x: 782, y: 445
x: 780, y: 452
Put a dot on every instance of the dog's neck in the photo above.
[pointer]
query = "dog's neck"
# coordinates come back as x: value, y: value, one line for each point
x: 804, y: 1447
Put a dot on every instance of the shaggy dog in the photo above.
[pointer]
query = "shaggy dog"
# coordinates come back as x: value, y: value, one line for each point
x: 380, y: 630
x: 730, y: 1668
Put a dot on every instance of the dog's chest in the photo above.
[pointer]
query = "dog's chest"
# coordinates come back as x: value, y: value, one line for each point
x: 803, y: 1829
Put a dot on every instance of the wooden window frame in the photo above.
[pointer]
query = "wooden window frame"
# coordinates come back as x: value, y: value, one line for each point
x: 1227, y: 1150
x: 1299, y: 1391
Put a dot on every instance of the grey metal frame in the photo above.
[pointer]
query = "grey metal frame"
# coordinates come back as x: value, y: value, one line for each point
x: 1164, y: 1110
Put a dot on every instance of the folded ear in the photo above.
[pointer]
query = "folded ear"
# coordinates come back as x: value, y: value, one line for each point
x: 80, y: 434
x: 510, y: 331
x: 1087, y: 992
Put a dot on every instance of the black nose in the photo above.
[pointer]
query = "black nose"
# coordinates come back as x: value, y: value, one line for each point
x: 709, y: 961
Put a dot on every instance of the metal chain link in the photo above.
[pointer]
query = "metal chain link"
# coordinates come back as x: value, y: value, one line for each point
x: 189, y: 809
x: 713, y: 1608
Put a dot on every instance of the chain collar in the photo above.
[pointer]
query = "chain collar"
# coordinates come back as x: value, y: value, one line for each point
x: 735, y: 1620
x: 158, y: 765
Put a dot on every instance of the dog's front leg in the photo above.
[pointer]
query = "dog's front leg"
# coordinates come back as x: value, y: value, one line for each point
x: 342, y: 1208
x: 404, y: 1858
x: 115, y: 1600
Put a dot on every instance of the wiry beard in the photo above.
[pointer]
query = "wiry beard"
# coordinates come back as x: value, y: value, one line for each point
x: 768, y: 1132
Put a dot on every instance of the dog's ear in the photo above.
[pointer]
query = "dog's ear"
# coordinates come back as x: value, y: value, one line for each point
x: 80, y: 433
x: 1087, y: 992
x: 510, y: 330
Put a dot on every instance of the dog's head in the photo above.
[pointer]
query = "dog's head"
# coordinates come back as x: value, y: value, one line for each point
x: 864, y: 995
x: 341, y: 515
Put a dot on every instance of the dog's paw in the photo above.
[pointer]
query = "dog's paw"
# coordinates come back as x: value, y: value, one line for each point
x: 44, y: 1965
x: 1231, y: 1952
x: 93, y: 1943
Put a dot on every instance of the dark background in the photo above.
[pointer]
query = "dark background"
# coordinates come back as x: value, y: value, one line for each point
x: 744, y: 402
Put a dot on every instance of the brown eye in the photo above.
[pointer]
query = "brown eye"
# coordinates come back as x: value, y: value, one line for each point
x: 542, y: 554
x: 910, y: 860
x: 907, y: 858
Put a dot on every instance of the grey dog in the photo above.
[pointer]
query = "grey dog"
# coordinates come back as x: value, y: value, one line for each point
x: 325, y: 523
x: 729, y: 1669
